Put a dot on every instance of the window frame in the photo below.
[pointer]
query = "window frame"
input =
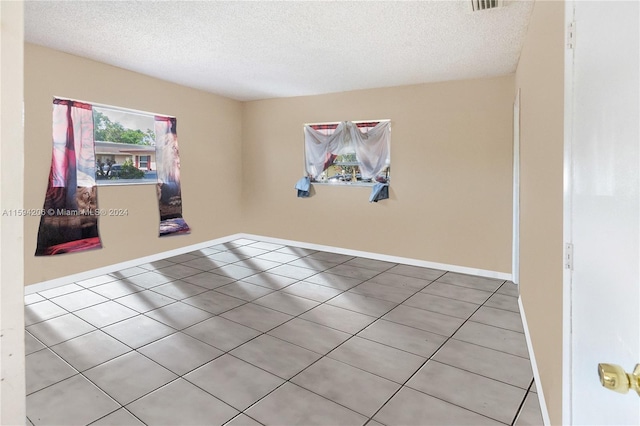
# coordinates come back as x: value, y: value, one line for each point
x: 97, y: 107
x: 334, y: 124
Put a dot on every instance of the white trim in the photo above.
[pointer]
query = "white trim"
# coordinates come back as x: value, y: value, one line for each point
x: 385, y: 257
x: 348, y: 183
x: 567, y: 236
x: 46, y: 285
x: 114, y: 108
x: 128, y: 183
x: 353, y: 121
x: 515, y: 242
x: 534, y: 366
x: 56, y: 282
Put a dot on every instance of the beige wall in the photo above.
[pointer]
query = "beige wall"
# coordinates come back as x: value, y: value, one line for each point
x: 451, y: 168
x: 540, y: 76
x: 209, y: 132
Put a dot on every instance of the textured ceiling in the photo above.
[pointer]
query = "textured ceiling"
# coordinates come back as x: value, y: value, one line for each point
x: 258, y: 50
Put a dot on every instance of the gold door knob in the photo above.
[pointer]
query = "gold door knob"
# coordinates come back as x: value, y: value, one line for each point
x: 614, y: 377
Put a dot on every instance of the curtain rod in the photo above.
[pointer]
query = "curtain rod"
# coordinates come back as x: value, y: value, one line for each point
x: 115, y: 108
x: 353, y: 121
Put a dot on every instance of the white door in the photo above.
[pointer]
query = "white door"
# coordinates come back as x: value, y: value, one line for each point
x: 603, y: 201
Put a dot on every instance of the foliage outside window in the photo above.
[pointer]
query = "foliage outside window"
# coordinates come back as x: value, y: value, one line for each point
x: 104, y: 129
x: 124, y: 146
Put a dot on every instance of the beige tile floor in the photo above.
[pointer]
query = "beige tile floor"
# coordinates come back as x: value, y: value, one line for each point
x: 250, y: 333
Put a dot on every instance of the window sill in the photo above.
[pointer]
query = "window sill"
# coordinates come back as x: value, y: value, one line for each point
x: 121, y: 182
x: 334, y: 183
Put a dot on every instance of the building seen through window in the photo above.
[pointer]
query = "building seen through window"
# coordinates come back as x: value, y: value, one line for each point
x: 124, y: 146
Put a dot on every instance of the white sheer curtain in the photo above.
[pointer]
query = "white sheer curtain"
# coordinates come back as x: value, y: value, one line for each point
x: 372, y: 148
x: 319, y: 147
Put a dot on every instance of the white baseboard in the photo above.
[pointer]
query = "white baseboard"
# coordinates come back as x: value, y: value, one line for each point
x: 386, y: 258
x: 46, y: 285
x: 56, y: 282
x: 534, y: 366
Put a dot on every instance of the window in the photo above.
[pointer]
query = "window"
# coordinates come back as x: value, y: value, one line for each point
x: 144, y: 162
x: 71, y: 220
x: 124, y: 146
x: 348, y: 153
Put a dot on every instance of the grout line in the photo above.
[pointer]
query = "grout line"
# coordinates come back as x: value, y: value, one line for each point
x: 431, y: 358
x: 476, y: 373
x: 117, y: 409
x: 420, y: 368
x: 524, y: 399
x: 262, y: 333
x: 288, y: 380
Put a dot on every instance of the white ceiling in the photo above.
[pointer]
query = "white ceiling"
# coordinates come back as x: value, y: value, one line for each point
x: 265, y: 49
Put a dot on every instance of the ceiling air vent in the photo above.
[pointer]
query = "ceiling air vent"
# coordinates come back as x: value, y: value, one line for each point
x: 477, y: 5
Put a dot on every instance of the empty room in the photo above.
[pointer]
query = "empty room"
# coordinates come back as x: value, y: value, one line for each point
x: 319, y: 213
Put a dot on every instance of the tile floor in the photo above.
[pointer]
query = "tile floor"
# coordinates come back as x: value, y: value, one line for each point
x: 250, y: 333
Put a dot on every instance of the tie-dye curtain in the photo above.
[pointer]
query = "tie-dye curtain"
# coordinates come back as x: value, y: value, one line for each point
x: 168, y: 167
x: 70, y: 219
x: 70, y: 222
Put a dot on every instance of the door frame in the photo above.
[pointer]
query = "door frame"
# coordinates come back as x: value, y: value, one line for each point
x: 567, y: 236
x: 515, y: 244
